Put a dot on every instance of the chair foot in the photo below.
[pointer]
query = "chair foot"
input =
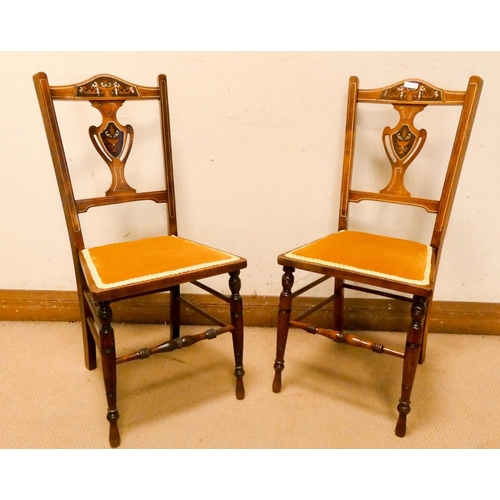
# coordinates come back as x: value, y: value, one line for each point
x: 114, y: 436
x: 278, y: 368
x: 401, y: 426
x: 114, y: 433
x: 403, y: 409
x: 240, y: 387
x: 277, y: 383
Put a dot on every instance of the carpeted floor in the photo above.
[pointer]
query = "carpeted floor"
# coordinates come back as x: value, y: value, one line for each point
x: 334, y: 396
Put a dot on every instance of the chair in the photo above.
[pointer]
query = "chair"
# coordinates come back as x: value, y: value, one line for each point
x: 121, y: 270
x: 375, y: 262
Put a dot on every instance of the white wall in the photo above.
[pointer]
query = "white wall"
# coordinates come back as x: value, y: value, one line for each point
x: 258, y: 145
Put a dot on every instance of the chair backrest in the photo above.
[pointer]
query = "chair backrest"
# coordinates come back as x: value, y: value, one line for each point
x: 112, y: 140
x: 403, y: 142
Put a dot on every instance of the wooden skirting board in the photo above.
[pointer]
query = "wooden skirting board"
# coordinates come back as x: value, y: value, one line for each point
x: 360, y: 314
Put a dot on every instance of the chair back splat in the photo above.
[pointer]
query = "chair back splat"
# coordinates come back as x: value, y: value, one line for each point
x: 384, y: 264
x: 121, y: 270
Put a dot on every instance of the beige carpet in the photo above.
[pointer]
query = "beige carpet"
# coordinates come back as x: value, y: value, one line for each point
x: 334, y: 396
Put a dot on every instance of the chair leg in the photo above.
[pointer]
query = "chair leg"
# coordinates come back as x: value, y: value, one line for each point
x: 236, y: 309
x: 423, y: 351
x: 175, y: 312
x: 338, y: 305
x: 410, y: 363
x: 89, y: 346
x: 108, y: 357
x: 285, y: 309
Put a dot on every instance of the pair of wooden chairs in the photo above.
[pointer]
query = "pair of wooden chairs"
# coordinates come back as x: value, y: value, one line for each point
x: 395, y: 267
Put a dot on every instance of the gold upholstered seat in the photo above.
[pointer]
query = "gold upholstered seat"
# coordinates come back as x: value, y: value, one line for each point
x: 122, y: 270
x: 370, y: 254
x: 378, y: 262
x: 133, y: 262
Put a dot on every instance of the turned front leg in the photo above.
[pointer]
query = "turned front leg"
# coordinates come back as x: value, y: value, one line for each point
x: 412, y: 352
x: 108, y: 357
x: 236, y: 307
x: 285, y: 308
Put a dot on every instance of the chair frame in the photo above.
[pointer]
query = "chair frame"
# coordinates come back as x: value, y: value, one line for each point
x: 408, y: 100
x: 107, y: 93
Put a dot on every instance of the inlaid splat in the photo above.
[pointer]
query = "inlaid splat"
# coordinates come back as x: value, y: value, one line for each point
x: 113, y: 142
x: 402, y: 144
x: 112, y: 139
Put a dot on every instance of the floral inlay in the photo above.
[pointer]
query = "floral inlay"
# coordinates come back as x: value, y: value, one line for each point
x: 112, y: 139
x: 411, y: 91
x: 105, y: 87
x: 403, y: 141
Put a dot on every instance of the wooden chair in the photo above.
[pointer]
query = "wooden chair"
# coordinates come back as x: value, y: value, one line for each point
x: 116, y: 271
x: 381, y: 264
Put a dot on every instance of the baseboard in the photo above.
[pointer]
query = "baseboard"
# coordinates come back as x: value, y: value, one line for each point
x: 360, y: 314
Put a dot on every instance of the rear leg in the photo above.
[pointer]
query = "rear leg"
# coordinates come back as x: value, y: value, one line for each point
x: 338, y: 305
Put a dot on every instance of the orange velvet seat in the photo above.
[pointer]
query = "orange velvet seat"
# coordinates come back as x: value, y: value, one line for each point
x: 370, y: 254
x: 133, y: 262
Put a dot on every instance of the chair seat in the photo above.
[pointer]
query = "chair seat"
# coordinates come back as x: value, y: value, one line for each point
x: 118, y: 264
x: 396, y: 259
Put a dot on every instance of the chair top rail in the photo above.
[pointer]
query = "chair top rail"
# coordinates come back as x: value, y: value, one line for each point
x: 412, y: 91
x: 104, y: 87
